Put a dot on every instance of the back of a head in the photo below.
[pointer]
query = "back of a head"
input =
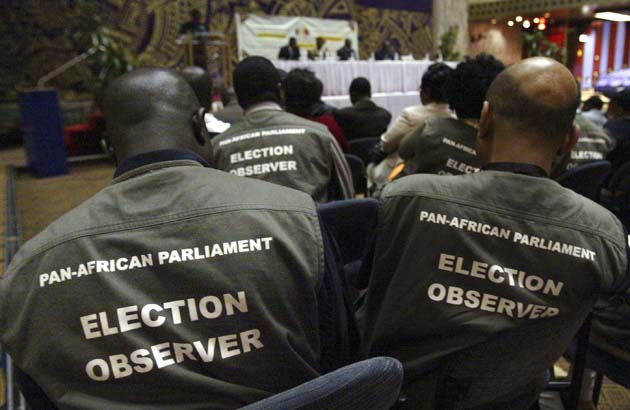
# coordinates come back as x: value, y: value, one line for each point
x: 150, y: 109
x: 469, y: 82
x: 535, y: 98
x: 593, y: 102
x: 621, y: 99
x: 360, y: 87
x: 434, y: 81
x: 201, y: 83
x: 256, y: 80
x: 302, y: 90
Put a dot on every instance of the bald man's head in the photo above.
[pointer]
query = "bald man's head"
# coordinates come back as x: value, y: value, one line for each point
x: 151, y: 109
x: 536, y: 97
x: 201, y: 82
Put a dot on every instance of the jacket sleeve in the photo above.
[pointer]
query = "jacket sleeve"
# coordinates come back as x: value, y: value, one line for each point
x: 392, y: 138
x: 409, y: 143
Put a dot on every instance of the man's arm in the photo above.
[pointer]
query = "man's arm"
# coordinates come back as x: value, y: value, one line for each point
x: 392, y: 138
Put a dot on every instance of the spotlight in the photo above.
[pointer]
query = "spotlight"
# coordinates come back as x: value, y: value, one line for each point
x: 547, y: 15
x: 518, y: 19
x: 493, y: 21
x: 510, y: 23
x: 536, y: 20
x: 542, y: 26
x: 526, y: 24
x: 583, y: 38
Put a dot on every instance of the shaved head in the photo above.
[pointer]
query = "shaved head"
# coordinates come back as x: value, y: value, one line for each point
x: 201, y: 82
x: 152, y: 109
x: 537, y: 97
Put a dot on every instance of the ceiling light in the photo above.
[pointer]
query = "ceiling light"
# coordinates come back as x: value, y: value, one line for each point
x: 542, y: 26
x: 526, y: 24
x: 547, y: 15
x: 493, y: 21
x: 510, y: 23
x: 612, y: 16
x: 518, y: 19
x: 583, y: 38
x: 536, y: 20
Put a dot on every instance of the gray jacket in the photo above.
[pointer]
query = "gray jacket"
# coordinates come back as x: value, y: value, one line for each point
x: 177, y: 287
x: 278, y: 147
x: 462, y: 260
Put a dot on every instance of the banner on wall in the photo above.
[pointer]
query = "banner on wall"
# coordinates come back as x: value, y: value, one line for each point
x: 265, y: 35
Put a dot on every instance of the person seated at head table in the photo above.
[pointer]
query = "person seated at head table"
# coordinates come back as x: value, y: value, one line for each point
x: 364, y: 119
x: 177, y: 284
x: 347, y: 52
x: 385, y: 156
x: 463, y: 261
x: 290, y: 51
x: 276, y: 146
x: 302, y: 97
x: 446, y: 146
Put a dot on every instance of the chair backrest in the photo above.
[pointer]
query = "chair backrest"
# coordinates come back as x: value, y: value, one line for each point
x: 587, y: 179
x: 352, y: 223
x: 361, y: 146
x: 371, y: 384
x: 359, y: 176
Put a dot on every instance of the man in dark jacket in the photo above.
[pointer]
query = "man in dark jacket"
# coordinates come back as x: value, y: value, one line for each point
x: 364, y: 119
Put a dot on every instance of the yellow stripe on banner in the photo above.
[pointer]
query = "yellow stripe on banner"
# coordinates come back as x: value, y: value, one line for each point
x: 271, y: 35
x: 328, y: 38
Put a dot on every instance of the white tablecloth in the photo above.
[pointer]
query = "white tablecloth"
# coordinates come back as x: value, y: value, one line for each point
x: 393, y: 102
x: 385, y: 76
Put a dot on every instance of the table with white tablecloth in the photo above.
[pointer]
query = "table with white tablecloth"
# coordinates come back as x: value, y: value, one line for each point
x: 385, y: 76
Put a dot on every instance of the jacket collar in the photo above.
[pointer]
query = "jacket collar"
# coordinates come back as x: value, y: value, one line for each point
x: 155, y: 159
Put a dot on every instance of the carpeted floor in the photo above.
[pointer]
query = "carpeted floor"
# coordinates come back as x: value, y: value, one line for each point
x: 41, y: 201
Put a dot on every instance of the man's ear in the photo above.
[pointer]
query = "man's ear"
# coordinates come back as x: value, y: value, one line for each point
x: 484, y: 122
x: 570, y: 140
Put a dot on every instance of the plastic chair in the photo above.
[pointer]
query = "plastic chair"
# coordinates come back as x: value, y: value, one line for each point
x: 587, y: 179
x: 361, y: 146
x: 371, y: 384
x: 359, y: 176
x: 352, y: 223
x: 619, y: 194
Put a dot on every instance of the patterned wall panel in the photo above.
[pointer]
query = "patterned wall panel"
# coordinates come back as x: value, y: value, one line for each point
x: 36, y: 35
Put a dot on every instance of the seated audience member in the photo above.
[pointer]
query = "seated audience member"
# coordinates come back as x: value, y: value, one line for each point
x: 446, y: 146
x: 347, y: 52
x: 320, y: 107
x: 593, y: 145
x: 290, y: 51
x: 231, y: 111
x: 176, y: 285
x: 201, y: 83
x: 302, y: 97
x: 385, y: 52
x: 364, y: 119
x: 468, y: 260
x: 276, y: 146
x: 592, y: 110
x: 618, y: 127
x: 433, y: 99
